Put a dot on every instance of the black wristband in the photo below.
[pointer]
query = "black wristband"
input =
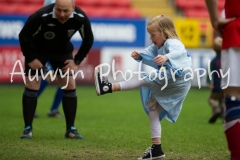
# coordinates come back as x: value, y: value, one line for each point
x: 77, y: 62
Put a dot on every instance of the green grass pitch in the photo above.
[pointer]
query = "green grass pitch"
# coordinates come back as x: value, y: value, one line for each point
x: 114, y: 127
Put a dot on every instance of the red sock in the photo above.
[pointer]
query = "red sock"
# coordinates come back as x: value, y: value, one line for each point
x: 233, y: 139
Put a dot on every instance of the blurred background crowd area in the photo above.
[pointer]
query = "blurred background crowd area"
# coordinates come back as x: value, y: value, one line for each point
x: 118, y: 27
x: 120, y: 9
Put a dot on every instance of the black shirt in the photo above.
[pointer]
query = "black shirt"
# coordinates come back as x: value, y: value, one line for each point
x: 44, y: 34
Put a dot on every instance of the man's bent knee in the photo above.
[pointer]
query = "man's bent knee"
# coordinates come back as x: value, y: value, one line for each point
x: 33, y: 84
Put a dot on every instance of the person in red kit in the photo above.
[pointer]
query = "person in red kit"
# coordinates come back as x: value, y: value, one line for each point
x: 229, y: 28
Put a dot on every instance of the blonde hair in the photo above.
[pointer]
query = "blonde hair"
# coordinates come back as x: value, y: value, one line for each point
x: 217, y: 45
x: 164, y: 25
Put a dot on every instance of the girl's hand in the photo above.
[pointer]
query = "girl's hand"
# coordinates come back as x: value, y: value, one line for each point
x: 160, y: 59
x: 135, y: 55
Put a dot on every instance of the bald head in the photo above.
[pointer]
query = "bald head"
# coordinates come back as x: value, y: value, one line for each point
x: 65, y: 3
x: 63, y: 9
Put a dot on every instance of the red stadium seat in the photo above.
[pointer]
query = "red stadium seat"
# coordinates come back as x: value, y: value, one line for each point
x: 108, y: 12
x: 93, y: 8
x: 34, y: 1
x: 196, y: 13
x: 12, y: 1
x: 196, y: 8
x: 92, y: 11
x: 103, y: 3
x: 23, y: 1
x: 29, y: 9
x: 180, y: 4
x: 121, y: 3
x: 124, y: 13
x: 193, y: 4
x: 134, y: 13
x: 221, y: 4
x: 5, y: 8
x: 82, y: 3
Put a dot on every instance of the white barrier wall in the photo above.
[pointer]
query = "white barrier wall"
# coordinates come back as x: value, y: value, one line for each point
x: 116, y: 61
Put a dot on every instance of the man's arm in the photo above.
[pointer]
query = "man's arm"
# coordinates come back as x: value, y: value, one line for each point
x: 212, y: 7
x: 31, y: 28
x: 87, y: 37
x: 216, y: 21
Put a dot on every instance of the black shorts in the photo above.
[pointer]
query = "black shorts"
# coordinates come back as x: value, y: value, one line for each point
x: 57, y: 62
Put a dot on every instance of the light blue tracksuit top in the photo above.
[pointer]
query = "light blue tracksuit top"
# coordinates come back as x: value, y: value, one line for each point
x: 172, y: 95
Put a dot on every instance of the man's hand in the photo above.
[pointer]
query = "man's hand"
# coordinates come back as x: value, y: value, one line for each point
x: 70, y: 64
x: 35, y: 64
x: 219, y: 23
x: 216, y: 21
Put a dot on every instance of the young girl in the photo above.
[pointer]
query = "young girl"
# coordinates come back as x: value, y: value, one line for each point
x: 172, y: 63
